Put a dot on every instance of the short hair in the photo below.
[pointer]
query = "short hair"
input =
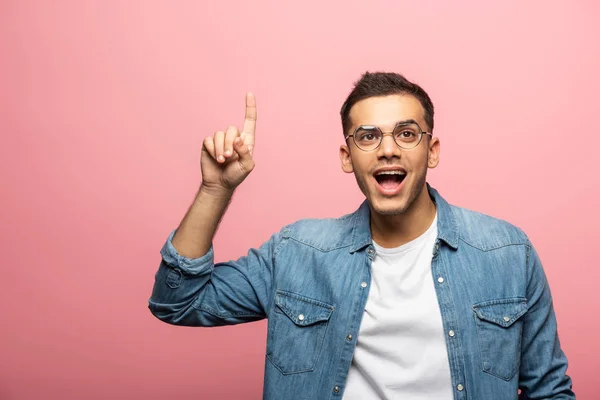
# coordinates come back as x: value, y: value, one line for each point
x: 375, y: 84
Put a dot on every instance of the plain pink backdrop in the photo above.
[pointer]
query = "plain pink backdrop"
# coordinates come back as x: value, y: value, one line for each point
x: 103, y: 108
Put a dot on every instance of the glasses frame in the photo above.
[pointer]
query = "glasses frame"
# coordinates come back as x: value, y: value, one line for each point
x: 398, y: 124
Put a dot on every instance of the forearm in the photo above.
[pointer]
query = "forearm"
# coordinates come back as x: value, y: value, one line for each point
x: 196, y: 231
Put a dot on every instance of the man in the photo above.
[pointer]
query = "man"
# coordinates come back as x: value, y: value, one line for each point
x: 407, y: 298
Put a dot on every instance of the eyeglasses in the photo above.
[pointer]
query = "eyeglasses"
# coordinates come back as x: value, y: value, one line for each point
x: 406, y: 134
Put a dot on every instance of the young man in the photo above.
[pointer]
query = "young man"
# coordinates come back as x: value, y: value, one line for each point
x: 409, y: 297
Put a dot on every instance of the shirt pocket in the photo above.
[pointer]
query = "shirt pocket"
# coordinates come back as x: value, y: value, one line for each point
x: 499, y: 331
x: 296, y: 332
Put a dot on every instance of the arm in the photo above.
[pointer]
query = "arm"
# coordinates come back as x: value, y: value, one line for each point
x: 543, y: 363
x: 188, y: 284
x: 226, y: 161
x: 196, y: 292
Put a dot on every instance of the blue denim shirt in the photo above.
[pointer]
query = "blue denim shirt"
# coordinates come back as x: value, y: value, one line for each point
x: 311, y: 280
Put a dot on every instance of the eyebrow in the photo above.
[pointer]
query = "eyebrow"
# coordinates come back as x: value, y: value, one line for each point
x: 403, y: 122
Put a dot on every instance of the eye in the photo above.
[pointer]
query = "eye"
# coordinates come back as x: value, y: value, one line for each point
x: 367, y: 136
x: 406, y: 135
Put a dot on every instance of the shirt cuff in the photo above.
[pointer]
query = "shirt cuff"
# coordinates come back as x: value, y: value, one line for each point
x: 189, y: 266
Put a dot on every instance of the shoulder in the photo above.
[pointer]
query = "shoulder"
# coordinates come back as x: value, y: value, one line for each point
x: 486, y: 232
x: 324, y: 234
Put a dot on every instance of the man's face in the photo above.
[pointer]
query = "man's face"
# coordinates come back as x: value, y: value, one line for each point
x: 393, y: 179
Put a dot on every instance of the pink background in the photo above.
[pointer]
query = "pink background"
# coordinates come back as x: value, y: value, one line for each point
x: 103, y: 108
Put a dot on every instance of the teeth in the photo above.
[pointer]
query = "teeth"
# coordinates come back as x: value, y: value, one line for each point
x: 391, y: 173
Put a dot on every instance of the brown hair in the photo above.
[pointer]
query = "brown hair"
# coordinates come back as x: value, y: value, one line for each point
x: 373, y: 84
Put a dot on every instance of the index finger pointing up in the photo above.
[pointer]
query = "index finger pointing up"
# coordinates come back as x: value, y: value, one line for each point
x: 250, y: 120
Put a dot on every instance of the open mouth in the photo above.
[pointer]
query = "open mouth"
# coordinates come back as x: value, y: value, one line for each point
x: 390, y: 180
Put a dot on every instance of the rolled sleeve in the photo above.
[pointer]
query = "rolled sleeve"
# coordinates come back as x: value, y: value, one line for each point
x: 189, y: 266
x: 198, y: 292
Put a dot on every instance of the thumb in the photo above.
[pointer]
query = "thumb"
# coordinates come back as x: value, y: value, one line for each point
x: 243, y: 152
x: 249, y: 141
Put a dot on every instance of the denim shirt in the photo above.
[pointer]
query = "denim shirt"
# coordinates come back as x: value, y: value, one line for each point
x: 311, y: 281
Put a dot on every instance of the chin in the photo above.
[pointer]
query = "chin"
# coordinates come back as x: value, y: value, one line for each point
x: 388, y: 206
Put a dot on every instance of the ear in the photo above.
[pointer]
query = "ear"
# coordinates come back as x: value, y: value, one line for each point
x: 346, y: 159
x: 434, y: 152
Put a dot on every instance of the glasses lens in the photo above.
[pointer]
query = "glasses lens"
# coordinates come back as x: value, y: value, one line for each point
x: 367, y: 138
x: 407, y: 135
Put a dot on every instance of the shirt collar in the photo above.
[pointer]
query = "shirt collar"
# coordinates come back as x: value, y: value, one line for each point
x: 447, y: 225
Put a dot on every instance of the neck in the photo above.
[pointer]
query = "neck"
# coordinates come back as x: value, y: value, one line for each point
x: 391, y: 231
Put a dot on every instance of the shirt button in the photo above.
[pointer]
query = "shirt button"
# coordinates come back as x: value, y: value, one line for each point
x: 370, y: 251
x: 451, y: 333
x: 336, y: 389
x: 506, y: 319
x: 349, y: 338
x: 301, y: 317
x: 441, y: 280
x: 460, y: 387
x: 363, y: 285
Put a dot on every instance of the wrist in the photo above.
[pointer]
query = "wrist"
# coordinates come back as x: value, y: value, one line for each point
x: 216, y: 192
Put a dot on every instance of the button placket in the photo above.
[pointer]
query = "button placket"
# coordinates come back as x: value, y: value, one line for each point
x: 447, y: 310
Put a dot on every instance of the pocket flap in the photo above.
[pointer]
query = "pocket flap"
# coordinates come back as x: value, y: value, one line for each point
x: 302, y: 310
x: 503, y: 312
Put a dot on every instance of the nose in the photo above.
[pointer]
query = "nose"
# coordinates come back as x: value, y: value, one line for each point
x: 388, y: 147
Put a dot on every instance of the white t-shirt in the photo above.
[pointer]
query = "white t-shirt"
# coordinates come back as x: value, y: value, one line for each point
x: 401, y: 348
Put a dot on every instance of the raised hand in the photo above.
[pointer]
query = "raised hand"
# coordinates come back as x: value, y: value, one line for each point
x: 226, y: 158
